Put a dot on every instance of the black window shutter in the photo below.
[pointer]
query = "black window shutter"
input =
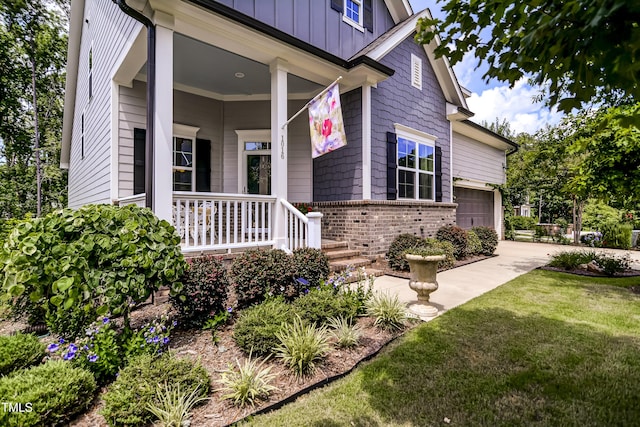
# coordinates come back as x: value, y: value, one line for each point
x: 203, y: 165
x: 392, y: 166
x: 367, y: 5
x: 138, y: 160
x: 438, y: 174
x: 337, y: 5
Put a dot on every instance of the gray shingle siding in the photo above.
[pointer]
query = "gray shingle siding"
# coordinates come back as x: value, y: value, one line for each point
x: 338, y: 175
x: 314, y: 22
x: 396, y: 101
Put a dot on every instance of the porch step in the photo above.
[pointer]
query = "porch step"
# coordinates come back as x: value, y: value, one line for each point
x: 341, y: 265
x: 341, y: 254
x: 328, y: 245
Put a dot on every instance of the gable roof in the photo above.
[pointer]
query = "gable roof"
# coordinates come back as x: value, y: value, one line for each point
x: 484, y: 135
x: 384, y: 44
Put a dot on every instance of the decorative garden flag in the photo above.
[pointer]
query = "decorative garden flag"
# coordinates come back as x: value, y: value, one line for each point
x: 325, y: 122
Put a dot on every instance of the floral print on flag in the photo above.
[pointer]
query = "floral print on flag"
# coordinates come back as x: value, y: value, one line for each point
x: 325, y: 123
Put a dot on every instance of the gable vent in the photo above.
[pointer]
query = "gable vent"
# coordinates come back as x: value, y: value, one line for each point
x: 416, y: 72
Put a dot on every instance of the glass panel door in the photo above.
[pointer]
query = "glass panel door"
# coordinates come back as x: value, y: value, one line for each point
x: 258, y: 173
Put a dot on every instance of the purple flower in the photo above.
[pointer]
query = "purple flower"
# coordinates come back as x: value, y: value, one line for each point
x: 93, y: 358
x: 165, y: 340
x: 69, y: 355
x: 73, y: 348
x: 229, y: 309
x: 302, y: 281
x: 155, y: 340
x: 105, y: 320
x: 85, y: 347
x: 61, y: 341
x: 52, y: 348
x: 175, y: 323
x: 152, y: 329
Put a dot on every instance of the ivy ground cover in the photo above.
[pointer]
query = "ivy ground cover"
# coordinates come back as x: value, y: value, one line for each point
x: 547, y: 349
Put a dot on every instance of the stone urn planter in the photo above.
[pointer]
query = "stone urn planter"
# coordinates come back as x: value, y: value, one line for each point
x: 423, y: 280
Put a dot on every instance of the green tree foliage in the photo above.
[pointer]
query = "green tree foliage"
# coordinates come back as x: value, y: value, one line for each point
x: 578, y: 49
x: 33, y: 43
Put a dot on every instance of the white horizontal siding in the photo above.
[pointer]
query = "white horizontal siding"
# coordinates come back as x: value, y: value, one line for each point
x: 476, y: 161
x: 132, y: 113
x: 108, y: 30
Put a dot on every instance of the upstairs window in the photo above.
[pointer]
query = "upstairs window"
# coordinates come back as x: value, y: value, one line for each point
x: 357, y: 13
x: 353, y: 11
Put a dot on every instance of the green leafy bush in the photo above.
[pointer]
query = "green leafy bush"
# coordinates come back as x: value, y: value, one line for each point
x: 312, y: 265
x: 302, y: 345
x: 6, y: 227
x: 257, y: 273
x: 396, y: 251
x: 79, y: 264
x: 345, y: 333
x: 387, y: 310
x: 457, y: 237
x: 523, y: 222
x: 488, y: 238
x: 19, y: 351
x: 616, y: 235
x: 324, y: 302
x: 474, y: 245
x: 204, y: 291
x: 55, y: 392
x: 447, y: 247
x: 129, y: 396
x: 249, y: 382
x: 611, y: 264
x: 570, y: 260
x: 256, y: 328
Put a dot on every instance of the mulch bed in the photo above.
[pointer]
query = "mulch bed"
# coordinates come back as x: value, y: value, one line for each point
x: 580, y: 272
x: 382, y: 264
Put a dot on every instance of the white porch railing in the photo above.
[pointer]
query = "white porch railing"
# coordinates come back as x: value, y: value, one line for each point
x: 296, y: 227
x: 207, y: 221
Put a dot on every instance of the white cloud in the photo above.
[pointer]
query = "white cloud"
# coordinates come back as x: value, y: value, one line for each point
x: 516, y: 105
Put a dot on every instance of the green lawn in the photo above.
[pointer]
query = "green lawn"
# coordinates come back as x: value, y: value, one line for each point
x: 546, y: 349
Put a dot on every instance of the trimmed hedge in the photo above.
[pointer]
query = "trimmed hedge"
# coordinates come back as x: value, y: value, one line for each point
x: 204, y: 291
x: 457, y: 237
x: 312, y: 265
x: 127, y: 398
x: 19, y: 351
x: 474, y: 245
x: 488, y: 238
x: 55, y: 392
x: 396, y: 251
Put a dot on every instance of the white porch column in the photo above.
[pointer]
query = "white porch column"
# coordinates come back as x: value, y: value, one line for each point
x: 279, y: 146
x: 163, y: 118
x: 366, y: 141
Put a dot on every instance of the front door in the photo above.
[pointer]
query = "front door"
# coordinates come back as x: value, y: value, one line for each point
x: 254, y: 158
x: 258, y: 173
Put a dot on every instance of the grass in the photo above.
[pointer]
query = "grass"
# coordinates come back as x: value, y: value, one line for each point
x: 547, y: 348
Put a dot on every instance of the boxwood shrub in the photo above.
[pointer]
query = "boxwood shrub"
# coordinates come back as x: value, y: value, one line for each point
x: 19, y: 351
x: 474, y: 245
x: 127, y: 398
x: 55, y: 391
x: 312, y: 265
x: 257, y: 273
x: 256, y: 328
x: 204, y: 291
x: 488, y: 238
x: 457, y: 237
x: 400, y: 244
x: 73, y: 265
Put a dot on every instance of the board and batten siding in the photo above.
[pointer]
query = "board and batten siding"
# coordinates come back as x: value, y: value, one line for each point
x: 315, y: 22
x: 395, y: 100
x: 107, y: 31
x: 192, y: 110
x: 476, y: 161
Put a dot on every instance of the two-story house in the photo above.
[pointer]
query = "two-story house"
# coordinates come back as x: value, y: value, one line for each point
x: 180, y: 105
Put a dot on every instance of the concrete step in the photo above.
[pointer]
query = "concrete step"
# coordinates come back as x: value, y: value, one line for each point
x: 340, y: 254
x: 342, y: 264
x: 328, y: 245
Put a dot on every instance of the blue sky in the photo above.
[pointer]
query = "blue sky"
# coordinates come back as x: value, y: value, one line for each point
x: 494, y: 99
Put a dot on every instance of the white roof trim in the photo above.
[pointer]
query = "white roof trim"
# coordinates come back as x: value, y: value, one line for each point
x: 73, y: 60
x: 399, y: 9
x: 478, y: 135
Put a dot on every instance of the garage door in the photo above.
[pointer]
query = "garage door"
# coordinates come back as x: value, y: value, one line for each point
x: 475, y: 208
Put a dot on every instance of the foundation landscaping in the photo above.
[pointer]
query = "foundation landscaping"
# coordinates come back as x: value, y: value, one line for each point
x: 251, y: 340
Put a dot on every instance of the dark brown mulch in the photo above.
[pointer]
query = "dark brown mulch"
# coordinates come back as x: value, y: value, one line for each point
x: 580, y: 272
x: 383, y: 264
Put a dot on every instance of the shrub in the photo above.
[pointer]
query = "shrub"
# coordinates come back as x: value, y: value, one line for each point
x: 474, y: 245
x: 397, y: 248
x: 312, y: 265
x: 256, y: 328
x: 128, y: 398
x: 19, y: 351
x: 523, y: 222
x: 78, y: 264
x: 570, y: 260
x: 488, y: 238
x: 447, y: 247
x: 6, y: 227
x: 611, y: 265
x: 344, y: 332
x: 354, y: 287
x: 55, y: 392
x: 457, y: 237
x: 104, y: 350
x: 301, y: 346
x: 389, y: 313
x: 593, y: 239
x: 324, y: 302
x: 257, y: 273
x: 616, y: 235
x: 204, y: 291
x: 246, y: 384
x: 173, y: 405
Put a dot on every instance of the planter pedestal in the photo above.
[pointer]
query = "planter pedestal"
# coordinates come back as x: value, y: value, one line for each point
x: 423, y: 281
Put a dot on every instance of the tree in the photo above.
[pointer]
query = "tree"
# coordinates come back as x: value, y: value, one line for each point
x: 33, y: 43
x: 577, y: 50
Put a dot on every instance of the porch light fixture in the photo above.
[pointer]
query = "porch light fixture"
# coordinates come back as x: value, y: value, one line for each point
x: 239, y: 75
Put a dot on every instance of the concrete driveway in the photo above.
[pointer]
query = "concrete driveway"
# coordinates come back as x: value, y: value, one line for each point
x: 462, y: 284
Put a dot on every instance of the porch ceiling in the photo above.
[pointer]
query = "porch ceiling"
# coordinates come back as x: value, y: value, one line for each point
x: 205, y: 68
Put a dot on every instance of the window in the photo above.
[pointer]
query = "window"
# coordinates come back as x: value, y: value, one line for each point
x: 353, y: 11
x: 184, y: 155
x: 416, y: 164
x: 82, y: 136
x: 91, y: 73
x: 416, y: 72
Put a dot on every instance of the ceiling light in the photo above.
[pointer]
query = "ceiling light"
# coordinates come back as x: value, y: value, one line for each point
x: 239, y: 75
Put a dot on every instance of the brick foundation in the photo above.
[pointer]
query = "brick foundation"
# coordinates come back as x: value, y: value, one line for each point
x: 371, y: 225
